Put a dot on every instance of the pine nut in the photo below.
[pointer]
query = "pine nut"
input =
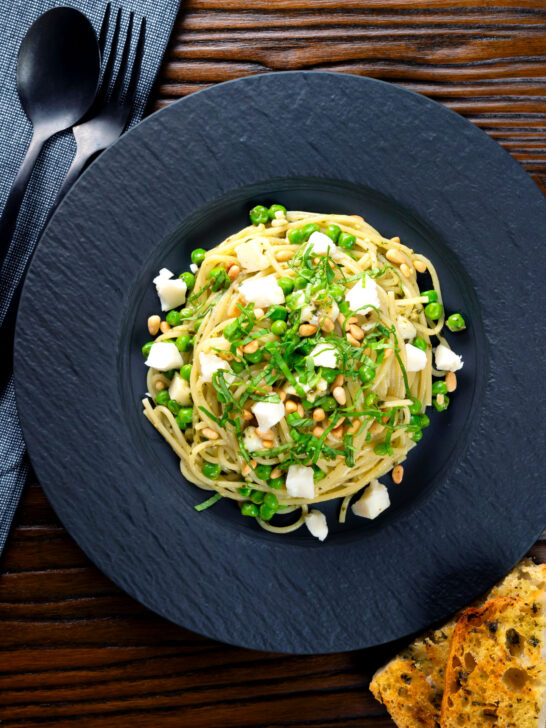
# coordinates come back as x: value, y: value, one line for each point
x: 341, y: 319
x: 405, y: 270
x: 276, y: 473
x: 307, y: 330
x: 340, y: 421
x: 395, y: 256
x: 159, y: 385
x: 376, y: 428
x: 259, y: 313
x: 327, y: 326
x: 209, y: 433
x: 164, y: 327
x: 300, y: 410
x: 283, y: 255
x: 356, y: 331
x: 247, y: 415
x: 339, y: 395
x: 388, y: 353
x: 339, y: 381
x: 251, y: 348
x: 350, y: 320
x: 153, y: 324
x: 290, y: 406
x: 267, y: 435
x: 316, y: 261
x: 267, y: 444
x: 245, y: 470
x: 397, y: 474
x: 368, y: 351
x: 319, y: 414
x: 440, y: 399
x: 355, y: 426
x: 234, y: 310
x: 395, y: 239
x: 351, y: 339
x: 338, y: 432
x: 451, y: 381
x: 318, y: 431
x: 419, y: 265
x: 282, y: 396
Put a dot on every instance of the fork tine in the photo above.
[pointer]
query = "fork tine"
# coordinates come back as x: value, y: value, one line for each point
x: 109, y: 68
x: 104, y: 29
x: 135, y: 71
x: 118, y: 85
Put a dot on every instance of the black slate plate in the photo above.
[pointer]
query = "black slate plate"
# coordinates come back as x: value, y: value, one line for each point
x: 472, y: 501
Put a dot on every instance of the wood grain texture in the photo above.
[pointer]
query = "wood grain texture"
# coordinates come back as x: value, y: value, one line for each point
x: 74, y: 650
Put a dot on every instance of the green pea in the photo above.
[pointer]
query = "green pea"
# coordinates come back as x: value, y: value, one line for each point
x: 344, y: 308
x: 169, y: 374
x: 255, y: 357
x: 456, y: 322
x: 416, y: 436
x: 266, y: 513
x: 220, y: 278
x: 276, y: 208
x: 346, y: 241
x: 299, y: 283
x: 173, y: 318
x: 197, y: 324
x: 309, y: 229
x: 181, y: 422
x: 415, y: 422
x: 198, y: 256
x: 366, y: 373
x: 337, y: 292
x: 173, y: 406
x: 278, y: 313
x: 370, y: 399
x: 231, y: 331
x: 249, y: 509
x: 185, y: 372
x: 146, y: 348
x: 257, y: 496
x: 420, y: 343
x: 186, y: 415
x: 439, y: 387
x: 237, y: 366
x: 424, y: 421
x: 211, y: 470
x: 263, y: 472
x: 415, y: 406
x: 443, y: 404
x: 293, y: 301
x: 433, y: 311
x: 292, y: 418
x: 287, y: 285
x: 183, y: 342
x: 328, y: 403
x: 278, y: 327
x: 318, y: 474
x: 295, y: 236
x: 270, y: 500
x: 245, y: 491
x: 186, y: 313
x: 276, y: 483
x: 381, y: 449
x: 328, y: 374
x: 259, y: 215
x: 333, y: 232
x: 431, y: 296
x: 163, y: 397
x: 188, y: 278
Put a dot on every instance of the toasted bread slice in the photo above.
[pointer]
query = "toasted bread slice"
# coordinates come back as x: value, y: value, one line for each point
x: 496, y: 672
x: 411, y: 685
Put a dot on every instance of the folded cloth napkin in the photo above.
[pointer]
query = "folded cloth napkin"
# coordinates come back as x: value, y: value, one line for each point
x: 15, y: 133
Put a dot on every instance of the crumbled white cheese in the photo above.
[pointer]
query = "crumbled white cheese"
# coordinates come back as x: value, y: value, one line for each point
x: 194, y: 268
x: 268, y: 414
x: 447, y: 360
x: 299, y: 481
x: 373, y: 501
x: 333, y: 311
x: 210, y: 363
x: 171, y: 291
x: 179, y: 390
x: 416, y: 359
x: 324, y: 355
x: 317, y: 525
x: 251, y: 255
x: 251, y: 440
x: 262, y: 291
x: 406, y: 328
x: 290, y: 389
x: 164, y: 356
x: 321, y: 243
x: 309, y: 315
x: 318, y: 390
x: 363, y: 293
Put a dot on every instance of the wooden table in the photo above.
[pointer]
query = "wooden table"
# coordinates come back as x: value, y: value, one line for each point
x: 74, y: 650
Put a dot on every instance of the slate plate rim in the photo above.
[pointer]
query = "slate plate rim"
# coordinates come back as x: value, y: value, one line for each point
x: 289, y: 642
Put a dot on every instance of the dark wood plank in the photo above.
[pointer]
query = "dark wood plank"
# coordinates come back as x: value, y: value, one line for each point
x: 74, y: 650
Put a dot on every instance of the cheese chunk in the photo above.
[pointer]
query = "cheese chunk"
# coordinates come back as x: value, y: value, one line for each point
x: 194, y: 268
x: 211, y: 363
x: 268, y: 414
x: 373, y: 501
x: 416, y: 359
x: 164, y: 356
x: 251, y: 440
x: 324, y: 355
x: 317, y: 525
x: 447, y: 360
x: 309, y: 315
x: 179, y: 390
x: 321, y: 243
x: 406, y: 328
x: 171, y: 291
x: 363, y: 293
x: 251, y: 255
x: 262, y: 291
x: 299, y: 481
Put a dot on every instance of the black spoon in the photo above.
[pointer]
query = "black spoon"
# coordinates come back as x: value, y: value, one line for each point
x: 58, y: 71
